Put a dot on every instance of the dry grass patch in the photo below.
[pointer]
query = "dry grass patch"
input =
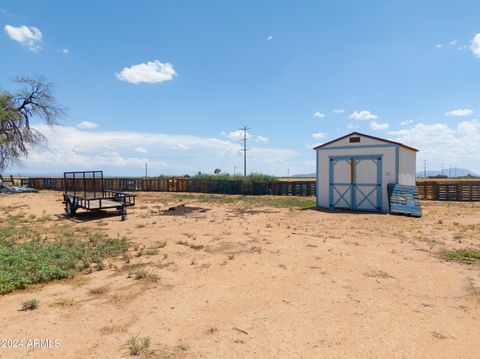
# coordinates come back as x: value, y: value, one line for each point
x: 98, y: 290
x: 467, y: 256
x: 30, y: 304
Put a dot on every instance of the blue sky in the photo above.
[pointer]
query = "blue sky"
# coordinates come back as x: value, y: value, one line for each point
x: 169, y: 83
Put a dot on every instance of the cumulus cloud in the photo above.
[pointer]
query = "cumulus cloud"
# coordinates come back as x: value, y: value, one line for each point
x: 439, y: 143
x: 180, y: 146
x: 374, y: 125
x: 319, y: 135
x: 150, y: 72
x: 28, y: 36
x: 262, y: 139
x: 269, y: 37
x: 406, y: 122
x: 140, y: 149
x: 363, y: 115
x: 125, y: 153
x: 475, y: 45
x: 339, y: 110
x: 64, y: 51
x: 460, y: 112
x: 87, y: 124
x: 237, y: 135
x: 319, y: 115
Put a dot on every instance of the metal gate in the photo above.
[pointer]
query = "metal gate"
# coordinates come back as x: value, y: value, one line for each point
x: 356, y: 182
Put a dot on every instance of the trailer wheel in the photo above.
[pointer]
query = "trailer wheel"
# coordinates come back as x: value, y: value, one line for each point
x: 70, y: 208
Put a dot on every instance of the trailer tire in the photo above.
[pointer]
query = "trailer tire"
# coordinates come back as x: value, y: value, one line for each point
x: 70, y: 207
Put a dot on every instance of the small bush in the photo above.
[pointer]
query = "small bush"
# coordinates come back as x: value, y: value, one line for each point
x: 30, y: 304
x: 145, y: 274
x: 137, y: 346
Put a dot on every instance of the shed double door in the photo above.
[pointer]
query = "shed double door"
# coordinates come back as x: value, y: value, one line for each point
x: 356, y: 183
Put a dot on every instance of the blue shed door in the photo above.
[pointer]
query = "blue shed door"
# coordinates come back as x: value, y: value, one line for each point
x: 356, y: 183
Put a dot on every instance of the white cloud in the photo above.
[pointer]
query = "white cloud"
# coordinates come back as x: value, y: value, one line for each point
x: 319, y: 115
x: 64, y: 51
x: 319, y: 135
x: 363, y: 115
x: 475, y: 45
x: 460, y: 112
x: 339, y: 110
x: 150, y: 72
x: 269, y: 37
x: 406, y: 122
x: 140, y: 149
x: 374, y: 125
x: 439, y: 143
x: 262, y: 139
x: 237, y: 135
x: 87, y: 124
x: 180, y: 146
x: 439, y: 46
x: 351, y: 126
x: 125, y: 153
x: 28, y: 36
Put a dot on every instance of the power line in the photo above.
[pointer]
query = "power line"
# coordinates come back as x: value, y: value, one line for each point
x: 245, y: 149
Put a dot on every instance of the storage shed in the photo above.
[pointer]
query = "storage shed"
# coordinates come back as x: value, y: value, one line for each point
x: 353, y: 171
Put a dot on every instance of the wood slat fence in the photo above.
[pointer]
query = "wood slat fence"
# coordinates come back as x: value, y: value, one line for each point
x: 454, y: 190
x: 282, y: 188
x: 439, y: 190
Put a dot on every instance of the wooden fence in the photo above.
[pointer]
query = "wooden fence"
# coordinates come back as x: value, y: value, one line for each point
x: 449, y: 190
x: 440, y: 190
x: 283, y: 188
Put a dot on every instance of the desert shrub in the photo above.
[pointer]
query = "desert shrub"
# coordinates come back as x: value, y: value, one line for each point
x: 137, y: 346
x: 30, y: 304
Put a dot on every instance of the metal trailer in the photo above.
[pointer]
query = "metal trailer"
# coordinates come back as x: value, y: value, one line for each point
x: 85, y: 189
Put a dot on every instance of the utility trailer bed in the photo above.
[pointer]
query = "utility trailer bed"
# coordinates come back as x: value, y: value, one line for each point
x: 85, y: 189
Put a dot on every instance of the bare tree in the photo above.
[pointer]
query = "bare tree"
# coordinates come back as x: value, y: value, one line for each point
x: 34, y: 101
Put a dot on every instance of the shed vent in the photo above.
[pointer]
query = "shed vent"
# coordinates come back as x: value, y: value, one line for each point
x: 354, y: 139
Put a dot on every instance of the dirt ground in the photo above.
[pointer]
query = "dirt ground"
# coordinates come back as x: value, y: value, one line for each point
x: 242, y: 281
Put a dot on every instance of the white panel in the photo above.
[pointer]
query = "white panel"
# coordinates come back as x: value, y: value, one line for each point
x: 366, y: 171
x: 369, y: 203
x: 363, y: 141
x: 342, y: 171
x: 407, y: 167
x: 342, y: 196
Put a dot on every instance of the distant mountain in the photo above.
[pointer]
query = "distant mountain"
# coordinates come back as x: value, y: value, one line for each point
x: 459, y: 172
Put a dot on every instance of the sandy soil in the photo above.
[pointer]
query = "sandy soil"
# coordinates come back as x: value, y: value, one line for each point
x: 238, y: 281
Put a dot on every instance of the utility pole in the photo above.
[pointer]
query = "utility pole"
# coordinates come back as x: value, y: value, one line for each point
x: 424, y: 168
x: 245, y: 149
x: 146, y: 169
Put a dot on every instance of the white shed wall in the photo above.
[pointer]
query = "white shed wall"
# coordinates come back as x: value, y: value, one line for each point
x: 323, y: 166
x: 407, y: 167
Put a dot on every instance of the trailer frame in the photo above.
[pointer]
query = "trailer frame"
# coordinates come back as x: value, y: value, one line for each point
x: 86, y: 190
